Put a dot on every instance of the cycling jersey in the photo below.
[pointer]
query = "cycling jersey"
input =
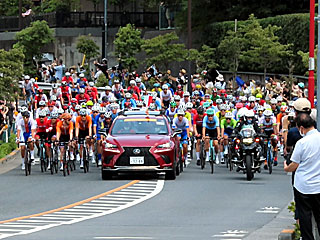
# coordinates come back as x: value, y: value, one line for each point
x: 65, y: 91
x: 85, y: 98
x: 267, y: 126
x: 64, y: 129
x: 26, y: 128
x: 41, y: 126
x: 187, y: 115
x: 166, y: 96
x: 83, y: 125
x: 170, y: 114
x: 210, y: 124
x: 198, y: 120
x: 182, y: 125
x: 228, y: 127
x: 220, y: 117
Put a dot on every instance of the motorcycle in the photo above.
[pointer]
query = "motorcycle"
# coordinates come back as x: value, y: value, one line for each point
x: 248, y: 151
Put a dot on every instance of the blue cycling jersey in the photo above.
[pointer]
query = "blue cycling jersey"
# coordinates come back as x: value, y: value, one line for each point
x: 210, y: 124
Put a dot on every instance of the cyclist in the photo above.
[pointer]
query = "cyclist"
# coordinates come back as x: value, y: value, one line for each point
x: 268, y: 125
x: 108, y: 94
x: 42, y: 106
x: 41, y: 133
x: 84, y: 131
x: 197, y: 127
x: 170, y: 112
x: 82, y: 97
x: 114, y: 111
x: 28, y: 89
x: 211, y: 130
x: 128, y: 99
x: 65, y: 93
x: 274, y: 107
x: 38, y: 98
x: 26, y: 130
x: 65, y: 135
x: 186, y: 98
x: 141, y: 86
x: 181, y: 122
x: 227, y: 126
x: 55, y: 91
x: 92, y: 95
x: 117, y: 89
x: 134, y: 88
x: 165, y: 96
x: 99, y: 124
x: 51, y: 130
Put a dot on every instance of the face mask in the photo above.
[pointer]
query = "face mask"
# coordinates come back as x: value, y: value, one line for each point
x: 249, y: 121
x: 302, y: 134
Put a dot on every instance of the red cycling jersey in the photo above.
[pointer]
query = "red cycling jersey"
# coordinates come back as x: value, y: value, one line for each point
x: 83, y: 99
x: 65, y: 91
x: 41, y: 126
x: 52, y: 128
x: 198, y: 120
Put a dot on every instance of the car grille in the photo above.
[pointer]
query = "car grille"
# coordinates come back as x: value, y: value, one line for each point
x: 124, y: 159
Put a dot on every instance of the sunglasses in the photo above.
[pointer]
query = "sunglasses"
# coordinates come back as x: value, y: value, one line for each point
x: 210, y: 115
x: 180, y: 115
x: 41, y: 117
x: 95, y: 112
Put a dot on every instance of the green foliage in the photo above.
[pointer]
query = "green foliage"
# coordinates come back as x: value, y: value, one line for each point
x: 102, y: 81
x: 204, y: 58
x: 64, y: 6
x: 161, y: 50
x: 292, y: 208
x: 7, y: 148
x: 32, y: 39
x: 11, y: 66
x: 11, y: 7
x: 305, y: 59
x: 87, y: 46
x: 127, y: 44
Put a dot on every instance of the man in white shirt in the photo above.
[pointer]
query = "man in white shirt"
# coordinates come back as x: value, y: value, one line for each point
x: 306, y: 161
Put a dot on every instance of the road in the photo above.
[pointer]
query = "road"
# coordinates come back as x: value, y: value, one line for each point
x: 197, y: 205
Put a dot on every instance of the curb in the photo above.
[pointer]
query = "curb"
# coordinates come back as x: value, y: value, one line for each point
x: 287, y: 234
x: 10, y: 155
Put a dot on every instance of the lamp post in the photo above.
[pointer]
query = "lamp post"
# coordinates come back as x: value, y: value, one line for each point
x: 105, y: 32
x: 189, y: 46
x: 318, y: 69
x: 311, y: 54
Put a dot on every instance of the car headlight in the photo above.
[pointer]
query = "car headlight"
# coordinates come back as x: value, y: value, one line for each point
x: 109, y: 145
x: 165, y: 145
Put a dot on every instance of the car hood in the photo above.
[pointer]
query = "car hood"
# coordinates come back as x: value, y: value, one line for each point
x: 138, y: 140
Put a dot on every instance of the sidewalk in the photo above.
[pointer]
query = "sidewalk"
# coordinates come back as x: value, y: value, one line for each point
x: 10, y: 162
x: 271, y: 231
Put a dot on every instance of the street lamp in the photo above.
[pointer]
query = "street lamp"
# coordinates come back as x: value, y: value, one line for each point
x: 189, y: 46
x: 311, y: 54
x: 105, y: 42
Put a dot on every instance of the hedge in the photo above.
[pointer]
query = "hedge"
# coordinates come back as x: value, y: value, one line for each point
x: 6, y: 148
x: 295, y: 30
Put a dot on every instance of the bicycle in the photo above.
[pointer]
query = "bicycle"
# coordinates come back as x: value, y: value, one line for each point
x: 27, y: 158
x: 228, y: 156
x: 202, y: 155
x: 85, y: 155
x: 43, y: 156
x: 54, y: 158
x: 270, y: 155
x: 212, y: 155
x: 66, y: 158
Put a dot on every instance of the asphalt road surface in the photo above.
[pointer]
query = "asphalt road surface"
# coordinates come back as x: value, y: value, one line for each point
x: 197, y: 205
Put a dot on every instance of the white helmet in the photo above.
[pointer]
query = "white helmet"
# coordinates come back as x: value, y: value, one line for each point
x: 273, y: 101
x: 252, y: 99
x: 81, y: 90
x: 132, y: 82
x: 23, y: 109
x: 279, y: 99
x: 91, y: 84
x: 180, y: 112
x: 182, y: 106
x: 108, y: 88
x: 43, y: 113
x: 229, y: 97
x: 107, y: 115
x: 127, y: 95
x: 249, y: 114
x: 102, y: 110
x: 77, y: 107
x: 165, y: 86
x: 242, y: 112
x: 267, y: 113
x: 189, y: 105
x: 53, y: 97
x: 138, y: 80
x: 228, y: 115
x: 60, y: 111
x: 176, y: 97
x: 95, y: 108
x: 223, y: 107
x: 42, y: 103
x: 26, y: 77
x: 81, y: 75
x: 83, y: 112
x: 112, y: 99
x: 67, y: 74
x: 260, y: 108
x: 219, y: 101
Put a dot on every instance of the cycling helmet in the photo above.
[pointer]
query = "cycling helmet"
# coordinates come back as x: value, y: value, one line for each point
x: 83, y: 112
x: 138, y: 80
x: 267, y: 113
x: 198, y: 86
x: 108, y: 88
x: 152, y: 106
x: 42, y: 103
x: 67, y: 74
x: 156, y: 85
x: 259, y: 95
x: 284, y: 108
x: 180, y: 112
x: 207, y: 95
x: 83, y: 105
x: 186, y: 94
x: 60, y: 111
x: 53, y: 98
x: 25, y: 114
x: 219, y: 101
x: 54, y: 115
x: 228, y: 115
x: 26, y: 77
x: 116, y: 81
x: 139, y: 103
x: 63, y: 83
x: 260, y: 108
x: 273, y: 101
x: 54, y: 86
x: 114, y: 106
x: 229, y: 97
x: 113, y: 99
x: 223, y: 107
x: 206, y: 104
x: 43, y: 113
x: 40, y: 91
x: 91, y: 84
x: 242, y: 112
x: 279, y: 99
x: 89, y: 103
x: 23, y: 109
x: 200, y: 110
x: 210, y: 111
x: 189, y: 105
x: 66, y: 116
x: 176, y: 98
x: 81, y: 90
x: 81, y: 75
x: 77, y: 107
x: 102, y: 110
x: 252, y: 99
x: 249, y: 114
x: 196, y: 93
x: 74, y: 100
x: 173, y: 104
x: 107, y: 115
x: 127, y: 95
x: 95, y: 108
x: 244, y: 98
x: 182, y: 106
x: 239, y: 105
x: 132, y: 82
x: 165, y: 87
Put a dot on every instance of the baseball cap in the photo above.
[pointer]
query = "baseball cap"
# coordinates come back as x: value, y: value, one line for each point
x: 302, y: 105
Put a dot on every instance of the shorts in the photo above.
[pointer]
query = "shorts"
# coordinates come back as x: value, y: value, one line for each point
x: 166, y: 103
x: 183, y: 137
x: 63, y: 139
x: 228, y: 132
x: 83, y: 133
x: 199, y: 130
x: 212, y: 133
x: 24, y: 138
x: 41, y: 135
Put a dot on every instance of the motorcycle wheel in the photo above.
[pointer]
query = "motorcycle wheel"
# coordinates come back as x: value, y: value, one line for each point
x: 249, y: 167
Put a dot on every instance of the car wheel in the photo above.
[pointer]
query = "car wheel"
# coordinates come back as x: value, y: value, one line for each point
x: 172, y: 174
x: 106, y: 175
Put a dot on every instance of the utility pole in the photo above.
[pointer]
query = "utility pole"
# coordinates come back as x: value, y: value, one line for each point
x: 105, y: 36
x: 189, y: 45
x: 20, y: 14
x: 311, y: 54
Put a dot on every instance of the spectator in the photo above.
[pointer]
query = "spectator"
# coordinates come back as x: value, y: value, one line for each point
x: 59, y: 70
x: 305, y: 161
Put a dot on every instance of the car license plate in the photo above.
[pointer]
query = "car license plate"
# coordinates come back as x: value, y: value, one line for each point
x: 136, y: 160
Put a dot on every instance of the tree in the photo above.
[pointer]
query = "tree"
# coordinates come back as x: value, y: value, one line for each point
x: 264, y: 48
x: 87, y: 46
x: 11, y: 7
x: 11, y: 69
x: 127, y: 44
x: 161, y: 51
x: 305, y: 59
x: 64, y: 6
x: 204, y: 58
x: 32, y: 39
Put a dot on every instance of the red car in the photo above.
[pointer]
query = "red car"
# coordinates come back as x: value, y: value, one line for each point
x: 141, y: 142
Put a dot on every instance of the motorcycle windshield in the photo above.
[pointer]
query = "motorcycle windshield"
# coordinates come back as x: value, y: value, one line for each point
x: 247, y: 133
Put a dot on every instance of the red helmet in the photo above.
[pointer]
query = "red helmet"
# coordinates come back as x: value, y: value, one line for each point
x: 52, y: 103
x: 222, y: 91
x: 283, y: 108
x: 74, y: 100
x: 239, y: 105
x: 179, y: 86
x: 40, y: 91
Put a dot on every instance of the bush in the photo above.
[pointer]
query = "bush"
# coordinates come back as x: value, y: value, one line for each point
x: 294, y: 30
x: 7, y: 148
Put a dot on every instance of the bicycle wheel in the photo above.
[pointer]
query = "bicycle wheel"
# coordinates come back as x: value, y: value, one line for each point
x: 270, y: 161
x: 202, y: 155
x: 180, y: 160
x: 230, y: 159
x: 192, y: 147
x: 41, y: 159
x: 212, y: 160
x: 64, y: 163
x: 87, y: 161
x: 55, y: 159
x: 51, y: 161
x: 84, y: 156
x: 26, y: 161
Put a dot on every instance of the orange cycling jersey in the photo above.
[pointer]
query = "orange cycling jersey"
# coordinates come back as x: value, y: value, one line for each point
x: 279, y: 117
x: 83, y: 125
x: 64, y: 129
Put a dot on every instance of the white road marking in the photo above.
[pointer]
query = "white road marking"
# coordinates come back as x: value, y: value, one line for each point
x: 273, y: 210
x: 231, y: 234
x: 109, y: 204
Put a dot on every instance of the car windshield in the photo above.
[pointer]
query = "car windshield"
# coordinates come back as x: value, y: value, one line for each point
x: 139, y: 126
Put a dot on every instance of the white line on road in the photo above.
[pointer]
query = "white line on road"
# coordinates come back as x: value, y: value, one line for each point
x: 125, y: 238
